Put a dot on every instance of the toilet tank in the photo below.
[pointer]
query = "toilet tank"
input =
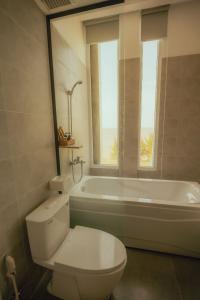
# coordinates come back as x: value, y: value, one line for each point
x: 47, y: 226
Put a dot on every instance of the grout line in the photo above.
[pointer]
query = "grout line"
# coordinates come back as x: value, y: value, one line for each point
x: 16, y: 66
x: 27, y: 33
x: 13, y: 158
x: 44, y: 278
x: 24, y: 113
x: 176, y: 279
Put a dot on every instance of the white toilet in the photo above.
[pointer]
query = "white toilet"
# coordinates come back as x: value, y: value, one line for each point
x: 87, y: 263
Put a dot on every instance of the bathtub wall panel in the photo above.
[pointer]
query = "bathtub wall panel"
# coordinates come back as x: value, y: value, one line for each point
x: 170, y: 230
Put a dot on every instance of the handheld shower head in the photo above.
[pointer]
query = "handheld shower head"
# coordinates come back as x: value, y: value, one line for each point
x: 70, y: 92
x: 69, y: 99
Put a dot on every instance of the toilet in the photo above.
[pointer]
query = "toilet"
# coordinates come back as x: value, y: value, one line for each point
x: 87, y: 263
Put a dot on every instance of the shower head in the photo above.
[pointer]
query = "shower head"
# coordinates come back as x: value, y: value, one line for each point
x: 70, y: 92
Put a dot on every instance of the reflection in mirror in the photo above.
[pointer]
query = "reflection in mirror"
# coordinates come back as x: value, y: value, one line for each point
x: 136, y: 113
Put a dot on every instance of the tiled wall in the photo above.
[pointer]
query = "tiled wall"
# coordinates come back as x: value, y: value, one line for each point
x: 180, y: 114
x: 68, y: 69
x: 178, y: 155
x: 179, y: 119
x: 27, y: 158
x: 129, y: 116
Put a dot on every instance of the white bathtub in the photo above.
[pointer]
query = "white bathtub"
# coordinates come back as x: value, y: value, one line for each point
x: 158, y: 215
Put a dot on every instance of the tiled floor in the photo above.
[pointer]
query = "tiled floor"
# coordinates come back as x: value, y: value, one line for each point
x: 154, y: 276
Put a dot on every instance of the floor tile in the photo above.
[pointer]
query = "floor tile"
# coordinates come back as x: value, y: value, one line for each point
x: 148, y: 276
x: 155, y: 276
x: 187, y: 271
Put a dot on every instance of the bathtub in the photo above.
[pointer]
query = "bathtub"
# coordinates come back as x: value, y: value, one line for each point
x: 159, y: 215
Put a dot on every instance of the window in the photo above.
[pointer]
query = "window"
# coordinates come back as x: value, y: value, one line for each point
x: 148, y: 119
x: 107, y: 138
x: 108, y: 67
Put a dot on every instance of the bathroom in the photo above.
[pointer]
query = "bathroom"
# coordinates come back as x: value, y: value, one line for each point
x: 131, y: 166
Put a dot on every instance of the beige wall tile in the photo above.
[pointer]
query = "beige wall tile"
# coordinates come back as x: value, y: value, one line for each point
x: 1, y: 92
x: 7, y: 194
x: 27, y: 17
x: 27, y: 155
x: 180, y: 119
x: 173, y: 68
x: 129, y: 116
x: 17, y: 124
x: 190, y: 66
x: 104, y: 172
x: 4, y: 138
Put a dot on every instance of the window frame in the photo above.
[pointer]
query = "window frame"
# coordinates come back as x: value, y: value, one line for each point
x: 157, y: 110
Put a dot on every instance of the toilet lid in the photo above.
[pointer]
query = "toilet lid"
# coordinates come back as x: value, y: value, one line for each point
x: 90, y: 250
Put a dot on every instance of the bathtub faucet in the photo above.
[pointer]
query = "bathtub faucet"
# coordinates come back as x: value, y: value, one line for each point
x: 77, y: 161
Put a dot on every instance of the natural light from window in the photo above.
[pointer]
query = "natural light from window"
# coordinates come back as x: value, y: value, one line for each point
x: 108, y: 66
x: 148, y: 104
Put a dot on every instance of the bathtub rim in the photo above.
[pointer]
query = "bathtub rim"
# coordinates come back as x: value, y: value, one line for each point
x: 77, y: 193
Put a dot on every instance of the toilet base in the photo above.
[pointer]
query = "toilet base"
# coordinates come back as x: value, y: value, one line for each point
x: 84, y: 287
x: 49, y: 290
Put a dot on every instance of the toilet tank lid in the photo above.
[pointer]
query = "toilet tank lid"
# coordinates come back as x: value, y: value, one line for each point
x: 48, y: 209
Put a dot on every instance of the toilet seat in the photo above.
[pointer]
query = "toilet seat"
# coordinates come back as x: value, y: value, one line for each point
x: 88, y: 250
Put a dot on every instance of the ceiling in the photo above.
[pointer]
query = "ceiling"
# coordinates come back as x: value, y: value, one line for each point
x: 55, y: 6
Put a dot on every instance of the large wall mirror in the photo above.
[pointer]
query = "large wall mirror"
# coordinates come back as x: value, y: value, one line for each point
x: 127, y: 91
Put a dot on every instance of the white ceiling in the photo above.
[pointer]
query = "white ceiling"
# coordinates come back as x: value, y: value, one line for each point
x: 127, y: 6
x: 62, y: 5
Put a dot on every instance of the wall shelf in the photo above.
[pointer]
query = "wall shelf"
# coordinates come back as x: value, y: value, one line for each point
x: 72, y: 146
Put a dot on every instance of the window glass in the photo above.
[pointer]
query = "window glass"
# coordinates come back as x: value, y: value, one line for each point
x: 108, y: 86
x: 148, y: 120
